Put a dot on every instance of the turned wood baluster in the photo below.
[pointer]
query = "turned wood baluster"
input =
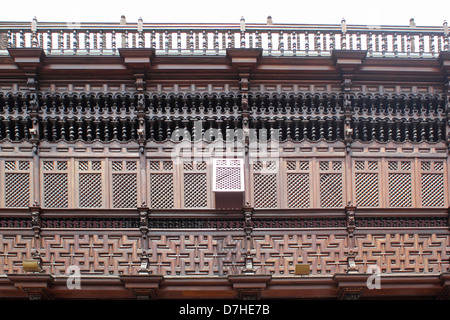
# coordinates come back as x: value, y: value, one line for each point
x: 408, y: 44
x: 421, y: 45
x: 317, y: 43
x: 358, y: 41
x: 395, y: 46
x: 113, y: 41
x: 87, y: 44
x: 191, y: 42
x: 258, y: 40
x: 294, y: 43
x: 102, y: 41
x: 384, y: 45
x: 369, y: 44
x: 281, y: 43
x: 49, y: 42
x: 22, y: 39
x: 216, y: 41
x: 133, y: 40
x: 432, y: 44
x: 289, y: 42
x: 306, y: 43
x: 75, y: 41
x: 153, y: 39
x: 205, y: 41
x: 95, y: 41
x: 269, y: 45
x: 179, y: 42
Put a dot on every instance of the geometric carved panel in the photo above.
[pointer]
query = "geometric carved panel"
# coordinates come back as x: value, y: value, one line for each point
x: 13, y: 250
x: 278, y: 254
x: 403, y: 253
x: 97, y: 254
x: 196, y: 255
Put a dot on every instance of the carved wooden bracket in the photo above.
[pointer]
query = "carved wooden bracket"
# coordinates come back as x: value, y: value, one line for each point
x: 34, y: 285
x: 144, y: 287
x: 351, y: 286
x: 347, y: 63
x: 249, y: 287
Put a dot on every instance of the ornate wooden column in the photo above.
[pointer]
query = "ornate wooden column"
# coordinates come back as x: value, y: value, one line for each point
x: 243, y: 61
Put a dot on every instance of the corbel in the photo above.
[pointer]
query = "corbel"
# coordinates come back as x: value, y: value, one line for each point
x: 347, y: 63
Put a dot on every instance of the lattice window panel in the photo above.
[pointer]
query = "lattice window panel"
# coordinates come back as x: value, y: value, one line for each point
x: 432, y: 183
x: 298, y: 184
x: 228, y: 175
x: 90, y: 184
x: 367, y: 173
x: 265, y: 183
x: 400, y: 183
x: 195, y: 184
x: 56, y: 184
x: 17, y: 183
x: 331, y: 185
x: 124, y: 184
x: 161, y: 184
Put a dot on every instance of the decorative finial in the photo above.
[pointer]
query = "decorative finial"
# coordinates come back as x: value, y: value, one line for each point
x: 445, y: 27
x: 123, y: 20
x: 34, y: 25
x: 140, y: 25
x: 242, y: 24
x: 269, y: 20
x: 412, y: 24
x: 343, y: 25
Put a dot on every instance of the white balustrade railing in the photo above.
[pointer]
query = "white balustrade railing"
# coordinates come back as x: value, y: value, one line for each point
x: 214, y: 39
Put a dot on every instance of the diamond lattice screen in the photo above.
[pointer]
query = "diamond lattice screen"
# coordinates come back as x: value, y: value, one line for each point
x: 17, y: 184
x: 195, y: 184
x: 124, y: 182
x: 331, y: 189
x: 367, y: 183
x: 432, y: 183
x: 400, y: 184
x: 265, y: 184
x: 161, y: 184
x: 298, y: 185
x: 56, y: 188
